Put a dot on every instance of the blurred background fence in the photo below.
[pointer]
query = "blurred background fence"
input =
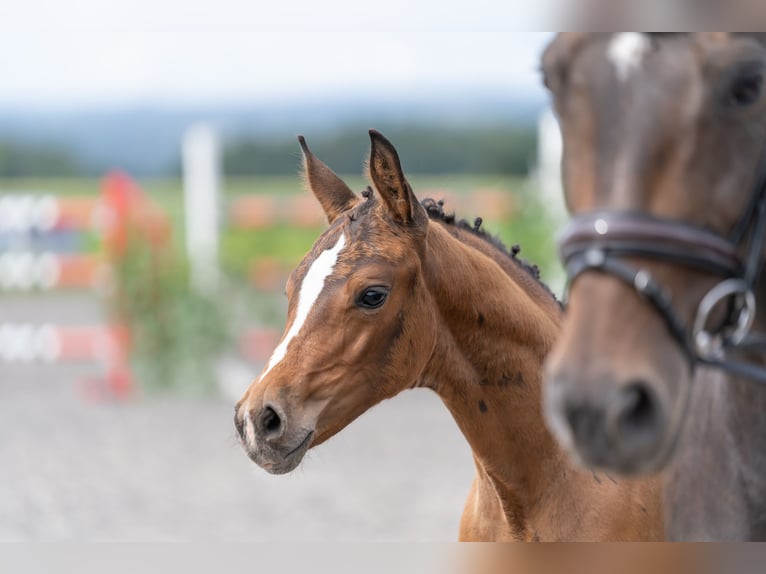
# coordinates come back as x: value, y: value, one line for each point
x: 124, y: 247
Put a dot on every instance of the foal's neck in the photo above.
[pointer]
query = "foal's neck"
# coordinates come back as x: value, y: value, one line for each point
x: 497, y: 326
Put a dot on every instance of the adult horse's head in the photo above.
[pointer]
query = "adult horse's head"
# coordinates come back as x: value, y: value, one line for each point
x: 359, y: 328
x: 663, y: 149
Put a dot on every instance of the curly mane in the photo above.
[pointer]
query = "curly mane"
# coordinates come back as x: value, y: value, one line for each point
x: 435, y: 211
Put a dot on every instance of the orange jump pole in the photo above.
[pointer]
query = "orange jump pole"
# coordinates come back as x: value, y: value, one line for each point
x: 127, y: 214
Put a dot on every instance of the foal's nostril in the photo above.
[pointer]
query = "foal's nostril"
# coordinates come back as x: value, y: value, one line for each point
x: 270, y: 422
x: 638, y: 419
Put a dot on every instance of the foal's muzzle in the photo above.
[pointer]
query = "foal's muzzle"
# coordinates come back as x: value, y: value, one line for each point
x: 269, y: 442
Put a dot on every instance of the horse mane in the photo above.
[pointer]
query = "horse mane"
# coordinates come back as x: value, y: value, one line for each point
x: 435, y: 211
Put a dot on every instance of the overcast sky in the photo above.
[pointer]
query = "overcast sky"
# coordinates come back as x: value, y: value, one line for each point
x: 62, y: 53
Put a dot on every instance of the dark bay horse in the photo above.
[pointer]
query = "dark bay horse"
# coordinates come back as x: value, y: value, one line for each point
x: 657, y: 368
x: 396, y: 295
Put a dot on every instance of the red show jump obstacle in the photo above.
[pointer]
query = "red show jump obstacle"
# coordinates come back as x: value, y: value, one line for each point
x: 120, y: 214
x: 27, y: 343
x: 126, y: 214
x: 38, y: 228
x: 27, y: 270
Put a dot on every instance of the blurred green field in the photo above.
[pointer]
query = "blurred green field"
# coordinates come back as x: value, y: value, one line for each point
x: 286, y: 244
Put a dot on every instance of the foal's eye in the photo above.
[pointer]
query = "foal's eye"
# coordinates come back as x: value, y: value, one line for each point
x: 746, y: 89
x: 372, y: 297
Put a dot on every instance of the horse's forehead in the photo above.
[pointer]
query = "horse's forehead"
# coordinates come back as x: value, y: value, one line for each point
x: 626, y: 52
x: 366, y: 239
x: 630, y: 83
x: 629, y: 94
x: 621, y: 60
x: 325, y: 242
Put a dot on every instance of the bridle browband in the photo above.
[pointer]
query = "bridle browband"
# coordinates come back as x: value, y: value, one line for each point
x: 598, y: 241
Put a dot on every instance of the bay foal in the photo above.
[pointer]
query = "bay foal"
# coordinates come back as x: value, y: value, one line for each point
x: 395, y: 295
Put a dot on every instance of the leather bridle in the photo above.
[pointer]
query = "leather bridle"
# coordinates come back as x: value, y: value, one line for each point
x: 598, y: 241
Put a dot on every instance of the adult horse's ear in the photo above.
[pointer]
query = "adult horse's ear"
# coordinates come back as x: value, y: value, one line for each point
x: 333, y: 194
x: 387, y: 176
x: 557, y: 55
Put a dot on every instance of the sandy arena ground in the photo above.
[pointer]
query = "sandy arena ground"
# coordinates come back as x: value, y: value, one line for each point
x: 172, y: 469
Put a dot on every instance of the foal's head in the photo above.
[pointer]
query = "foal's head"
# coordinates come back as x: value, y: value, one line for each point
x: 360, y: 326
x: 670, y: 125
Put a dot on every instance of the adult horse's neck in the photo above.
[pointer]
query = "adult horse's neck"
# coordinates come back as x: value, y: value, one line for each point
x: 725, y: 433
x: 747, y: 424
x: 496, y: 325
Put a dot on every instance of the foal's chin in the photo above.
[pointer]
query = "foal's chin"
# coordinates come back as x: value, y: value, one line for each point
x: 283, y: 459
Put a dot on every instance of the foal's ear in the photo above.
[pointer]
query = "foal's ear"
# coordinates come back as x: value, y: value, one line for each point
x: 387, y: 176
x: 334, y: 196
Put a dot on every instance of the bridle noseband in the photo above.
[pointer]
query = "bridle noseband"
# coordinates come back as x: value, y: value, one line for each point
x: 598, y: 241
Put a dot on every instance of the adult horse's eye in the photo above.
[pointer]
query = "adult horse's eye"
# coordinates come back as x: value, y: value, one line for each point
x: 372, y: 297
x: 746, y: 89
x: 546, y: 78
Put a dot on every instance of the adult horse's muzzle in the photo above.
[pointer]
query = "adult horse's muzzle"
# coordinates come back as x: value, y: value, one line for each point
x: 622, y: 429
x: 269, y: 440
x: 616, y: 386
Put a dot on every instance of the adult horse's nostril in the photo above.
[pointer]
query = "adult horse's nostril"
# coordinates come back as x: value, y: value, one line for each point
x: 588, y: 424
x: 639, y: 420
x: 270, y: 423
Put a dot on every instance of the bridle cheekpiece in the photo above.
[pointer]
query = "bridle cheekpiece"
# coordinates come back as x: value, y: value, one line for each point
x: 600, y: 240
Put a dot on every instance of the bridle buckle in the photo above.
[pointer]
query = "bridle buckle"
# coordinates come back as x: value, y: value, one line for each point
x: 712, y: 345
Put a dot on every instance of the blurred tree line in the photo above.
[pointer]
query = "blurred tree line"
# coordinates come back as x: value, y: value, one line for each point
x: 25, y: 160
x: 423, y: 149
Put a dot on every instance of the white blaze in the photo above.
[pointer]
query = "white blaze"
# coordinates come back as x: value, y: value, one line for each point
x: 626, y: 51
x: 311, y: 288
